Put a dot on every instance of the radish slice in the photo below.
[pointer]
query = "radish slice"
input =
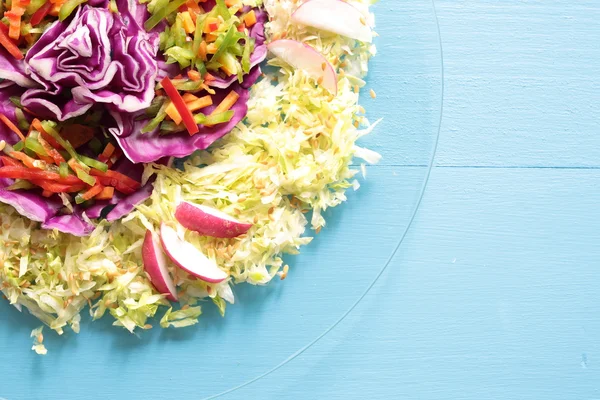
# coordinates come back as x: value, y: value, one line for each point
x: 209, y: 221
x: 302, y: 56
x: 155, y: 264
x: 189, y: 258
x: 334, y: 16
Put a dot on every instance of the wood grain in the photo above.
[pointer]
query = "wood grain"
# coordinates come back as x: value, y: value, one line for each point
x: 494, y: 292
x: 522, y: 83
x: 493, y: 296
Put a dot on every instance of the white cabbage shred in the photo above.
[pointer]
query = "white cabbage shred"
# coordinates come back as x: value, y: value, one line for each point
x: 292, y: 154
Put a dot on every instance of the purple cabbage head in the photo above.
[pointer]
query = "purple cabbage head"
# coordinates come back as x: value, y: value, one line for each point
x: 94, y: 57
x: 50, y: 211
x: 257, y: 32
x: 148, y: 147
x: 13, y: 71
x: 99, y: 57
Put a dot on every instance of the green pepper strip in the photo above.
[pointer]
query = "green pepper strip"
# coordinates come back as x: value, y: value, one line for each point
x: 214, y: 119
x: 83, y: 169
x: 68, y: 8
x: 19, y: 146
x: 32, y: 144
x: 63, y: 169
x: 162, y: 10
x: 246, y: 55
x: 90, y: 162
x: 16, y: 100
x: 223, y: 10
x: 228, y: 40
x: 160, y: 116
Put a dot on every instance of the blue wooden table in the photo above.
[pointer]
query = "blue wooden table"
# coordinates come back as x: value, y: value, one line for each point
x: 494, y: 290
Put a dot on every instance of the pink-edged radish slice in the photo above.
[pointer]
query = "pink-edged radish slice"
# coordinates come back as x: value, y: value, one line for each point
x: 187, y: 257
x: 302, y: 56
x: 334, y: 16
x: 208, y: 221
x: 155, y: 264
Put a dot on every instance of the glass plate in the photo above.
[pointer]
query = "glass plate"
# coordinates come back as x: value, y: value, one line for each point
x: 269, y: 325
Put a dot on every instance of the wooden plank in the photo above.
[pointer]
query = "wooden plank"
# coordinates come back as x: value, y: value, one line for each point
x: 264, y: 327
x: 522, y: 83
x: 406, y: 75
x: 493, y: 295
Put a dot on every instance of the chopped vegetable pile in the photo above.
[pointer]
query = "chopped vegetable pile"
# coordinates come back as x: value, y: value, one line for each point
x: 95, y: 210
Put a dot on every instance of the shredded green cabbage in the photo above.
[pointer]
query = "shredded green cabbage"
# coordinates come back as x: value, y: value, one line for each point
x: 38, y: 341
x: 292, y: 154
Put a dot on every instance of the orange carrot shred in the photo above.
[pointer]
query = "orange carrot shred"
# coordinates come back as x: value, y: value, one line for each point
x: 227, y: 103
x: 11, y: 126
x: 172, y: 112
x: 28, y: 161
x: 187, y: 97
x: 92, y: 192
x: 107, y: 153
x: 107, y: 193
x: 202, y: 51
x: 250, y: 19
x: 177, y: 100
x: 8, y: 43
x: 200, y: 103
x: 194, y: 76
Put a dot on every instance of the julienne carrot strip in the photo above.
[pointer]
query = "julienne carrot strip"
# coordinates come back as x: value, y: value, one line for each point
x: 14, y: 18
x: 56, y: 157
x: 92, y: 192
x: 114, y: 158
x: 193, y: 6
x: 202, y: 51
x: 200, y: 103
x: 250, y: 19
x: 40, y: 14
x: 8, y: 44
x: 11, y: 126
x: 227, y: 103
x: 106, y: 194
x: 37, y: 125
x: 28, y: 161
x: 186, y: 115
x: 208, y: 78
x: 173, y: 113
x: 106, y: 153
x: 188, y: 97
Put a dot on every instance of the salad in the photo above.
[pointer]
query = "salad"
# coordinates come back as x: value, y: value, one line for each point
x: 156, y: 152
